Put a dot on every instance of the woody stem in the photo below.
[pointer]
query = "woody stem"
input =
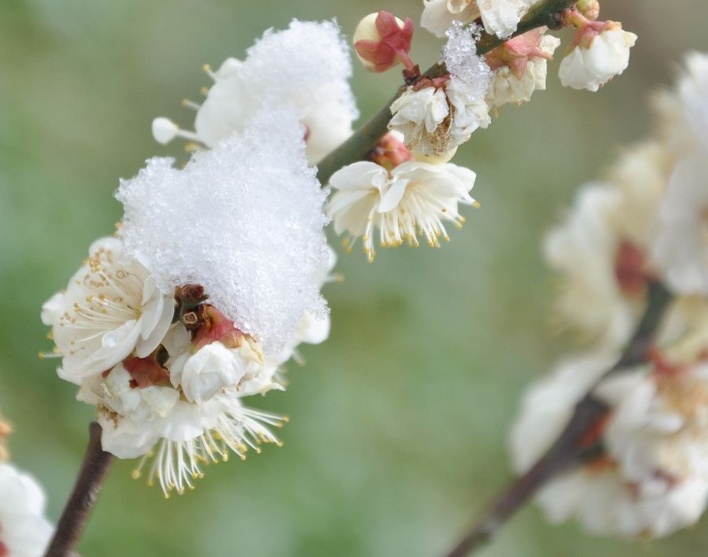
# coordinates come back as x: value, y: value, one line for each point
x: 78, y: 508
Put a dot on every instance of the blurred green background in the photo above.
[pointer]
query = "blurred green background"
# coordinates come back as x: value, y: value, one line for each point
x: 399, y: 421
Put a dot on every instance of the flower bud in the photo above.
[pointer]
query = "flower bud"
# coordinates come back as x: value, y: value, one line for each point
x: 601, y: 52
x: 382, y: 41
x: 589, y: 8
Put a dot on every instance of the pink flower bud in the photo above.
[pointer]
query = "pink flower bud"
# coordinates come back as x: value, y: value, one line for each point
x: 382, y: 41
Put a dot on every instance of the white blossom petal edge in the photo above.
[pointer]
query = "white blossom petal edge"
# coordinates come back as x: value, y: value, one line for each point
x: 24, y: 531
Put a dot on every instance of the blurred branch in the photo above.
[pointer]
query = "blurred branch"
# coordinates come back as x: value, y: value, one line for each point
x: 576, y: 444
x: 363, y: 141
x: 86, y: 490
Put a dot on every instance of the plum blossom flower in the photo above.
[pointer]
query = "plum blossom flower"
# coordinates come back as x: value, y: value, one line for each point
x: 601, y: 249
x: 414, y: 198
x: 437, y: 119
x: 600, y: 52
x: 110, y: 308
x: 208, y: 305
x: 306, y: 67
x: 520, y: 67
x: 681, y: 247
x: 24, y: 530
x: 440, y: 15
x: 651, y: 477
x: 500, y: 17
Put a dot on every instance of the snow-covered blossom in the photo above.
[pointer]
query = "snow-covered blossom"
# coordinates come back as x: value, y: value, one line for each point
x: 212, y: 283
x: 413, y: 198
x: 652, y: 476
x: 520, y: 67
x: 256, y: 243
x: 499, y: 17
x: 600, y: 52
x: 111, y: 307
x: 681, y: 248
x: 306, y: 67
x: 435, y: 120
x: 24, y: 530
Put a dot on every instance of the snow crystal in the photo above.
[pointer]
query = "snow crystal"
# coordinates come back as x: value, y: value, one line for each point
x: 463, y: 63
x: 243, y: 219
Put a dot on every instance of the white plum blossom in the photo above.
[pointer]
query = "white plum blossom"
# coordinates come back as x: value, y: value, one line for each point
x: 681, y: 248
x: 213, y: 282
x: 214, y: 367
x: 306, y: 67
x: 132, y: 414
x: 601, y: 249
x: 523, y: 72
x: 111, y: 307
x: 418, y: 115
x: 24, y: 530
x: 436, y: 120
x: 596, y: 59
x: 499, y: 17
x: 440, y: 15
x: 652, y: 475
x: 413, y: 198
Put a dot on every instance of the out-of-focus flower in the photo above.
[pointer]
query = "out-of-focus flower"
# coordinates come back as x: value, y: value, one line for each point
x: 651, y: 477
x: 413, y: 198
x: 306, y: 67
x: 382, y: 41
x: 437, y: 118
x: 601, y: 250
x: 681, y: 248
x: 5, y: 431
x: 110, y: 308
x: 24, y: 530
x: 520, y: 67
x: 600, y: 52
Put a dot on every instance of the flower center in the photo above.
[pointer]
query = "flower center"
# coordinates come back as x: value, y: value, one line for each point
x: 629, y: 269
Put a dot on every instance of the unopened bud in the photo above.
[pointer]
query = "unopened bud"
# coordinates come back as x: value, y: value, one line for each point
x: 391, y: 151
x: 381, y: 41
x: 589, y: 8
x: 164, y: 130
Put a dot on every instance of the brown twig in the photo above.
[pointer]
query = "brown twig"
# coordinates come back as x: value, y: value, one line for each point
x: 86, y: 490
x: 573, y: 446
x: 363, y: 141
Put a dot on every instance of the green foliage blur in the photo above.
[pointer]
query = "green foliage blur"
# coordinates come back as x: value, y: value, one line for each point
x: 398, y: 423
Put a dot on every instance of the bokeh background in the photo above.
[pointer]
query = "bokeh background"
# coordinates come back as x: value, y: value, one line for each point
x: 399, y: 422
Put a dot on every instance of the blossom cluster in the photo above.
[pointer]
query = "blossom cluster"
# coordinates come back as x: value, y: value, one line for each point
x: 213, y: 277
x: 435, y: 114
x: 644, y: 223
